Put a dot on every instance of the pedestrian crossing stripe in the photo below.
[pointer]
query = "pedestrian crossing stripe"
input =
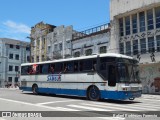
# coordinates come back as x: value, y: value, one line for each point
x: 66, y: 109
x: 130, y: 108
x: 145, y: 106
x: 87, y: 107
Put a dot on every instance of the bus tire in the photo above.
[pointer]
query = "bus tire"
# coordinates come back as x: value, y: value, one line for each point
x: 93, y: 93
x: 35, y: 89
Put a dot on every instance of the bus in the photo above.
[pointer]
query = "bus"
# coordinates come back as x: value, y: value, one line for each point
x: 104, y: 76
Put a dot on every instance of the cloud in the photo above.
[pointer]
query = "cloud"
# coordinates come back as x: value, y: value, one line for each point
x: 14, y: 30
x: 14, y: 27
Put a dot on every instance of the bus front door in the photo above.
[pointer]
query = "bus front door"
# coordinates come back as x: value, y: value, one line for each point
x: 111, y: 75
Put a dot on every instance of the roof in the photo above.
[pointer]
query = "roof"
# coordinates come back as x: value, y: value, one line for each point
x: 82, y: 57
x: 14, y: 42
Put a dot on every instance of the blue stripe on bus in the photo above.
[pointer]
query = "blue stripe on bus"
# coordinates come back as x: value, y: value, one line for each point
x: 115, y: 95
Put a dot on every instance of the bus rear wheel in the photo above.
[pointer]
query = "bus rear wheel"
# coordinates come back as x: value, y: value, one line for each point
x: 93, y: 93
x: 35, y: 89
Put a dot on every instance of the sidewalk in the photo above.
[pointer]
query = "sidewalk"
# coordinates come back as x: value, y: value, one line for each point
x: 17, y: 88
x: 149, y: 96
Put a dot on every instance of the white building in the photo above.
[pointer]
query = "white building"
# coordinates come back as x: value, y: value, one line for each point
x: 135, y: 28
x: 91, y: 41
x: 59, y: 42
x: 12, y: 54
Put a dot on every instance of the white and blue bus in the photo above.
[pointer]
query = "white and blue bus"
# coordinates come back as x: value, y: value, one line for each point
x: 104, y: 76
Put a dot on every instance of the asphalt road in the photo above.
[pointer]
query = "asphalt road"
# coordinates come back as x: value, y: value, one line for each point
x: 24, y: 105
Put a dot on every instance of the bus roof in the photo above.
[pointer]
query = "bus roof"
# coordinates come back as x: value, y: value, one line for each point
x: 82, y: 57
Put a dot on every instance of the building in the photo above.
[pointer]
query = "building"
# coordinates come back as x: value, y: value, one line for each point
x: 91, y: 41
x: 38, y: 39
x: 135, y: 29
x: 59, y: 43
x: 12, y: 54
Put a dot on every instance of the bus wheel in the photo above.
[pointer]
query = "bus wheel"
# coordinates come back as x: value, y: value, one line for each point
x: 35, y: 89
x: 93, y: 93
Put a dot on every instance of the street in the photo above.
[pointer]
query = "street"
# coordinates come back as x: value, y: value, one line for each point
x: 67, y: 107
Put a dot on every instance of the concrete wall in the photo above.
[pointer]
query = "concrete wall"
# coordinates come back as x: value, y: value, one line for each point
x: 118, y: 7
x: 95, y: 42
x: 150, y: 77
x: 124, y: 8
x: 60, y: 35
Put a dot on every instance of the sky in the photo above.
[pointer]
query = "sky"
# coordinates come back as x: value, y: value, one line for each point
x: 18, y: 16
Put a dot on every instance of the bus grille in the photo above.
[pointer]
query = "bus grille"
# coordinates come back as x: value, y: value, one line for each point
x: 134, y: 88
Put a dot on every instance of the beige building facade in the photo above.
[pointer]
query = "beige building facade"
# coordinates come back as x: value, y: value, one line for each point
x: 135, y: 29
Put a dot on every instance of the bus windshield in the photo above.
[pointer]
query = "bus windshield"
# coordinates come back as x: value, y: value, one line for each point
x: 128, y: 71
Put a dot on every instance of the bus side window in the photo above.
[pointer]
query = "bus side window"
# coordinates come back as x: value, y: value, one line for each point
x: 75, y: 66
x: 94, y: 65
x: 44, y: 68
x: 68, y: 67
x: 87, y: 65
x: 81, y: 65
x: 24, y: 70
x: 58, y: 67
x: 51, y: 68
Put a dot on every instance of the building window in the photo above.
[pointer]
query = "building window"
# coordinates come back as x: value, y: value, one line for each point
x: 17, y: 57
x: 28, y: 58
x: 150, y: 19
x: 28, y: 48
x: 103, y: 49
x: 143, y: 45
x: 16, y: 68
x: 9, y: 79
x: 127, y: 23
x: 158, y: 43
x: 128, y: 48
x: 16, y: 79
x: 55, y: 47
x: 11, y: 46
x: 151, y: 44
x: 77, y: 54
x: 43, y: 58
x: 121, y: 48
x: 142, y: 21
x: 10, y: 68
x: 157, y: 13
x: 88, y: 52
x: 17, y: 46
x: 37, y: 59
x: 134, y: 23
x: 121, y: 27
x: 49, y: 49
x: 135, y: 47
x: 68, y: 44
x: 10, y: 56
x: 60, y: 46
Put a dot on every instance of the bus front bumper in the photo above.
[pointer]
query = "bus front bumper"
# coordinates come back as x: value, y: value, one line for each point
x: 121, y: 95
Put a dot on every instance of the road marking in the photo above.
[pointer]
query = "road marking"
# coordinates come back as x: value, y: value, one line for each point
x: 31, y: 104
x: 88, y: 108
x: 56, y: 102
x: 111, y: 108
x: 111, y: 118
x: 144, y: 106
x: 66, y: 109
